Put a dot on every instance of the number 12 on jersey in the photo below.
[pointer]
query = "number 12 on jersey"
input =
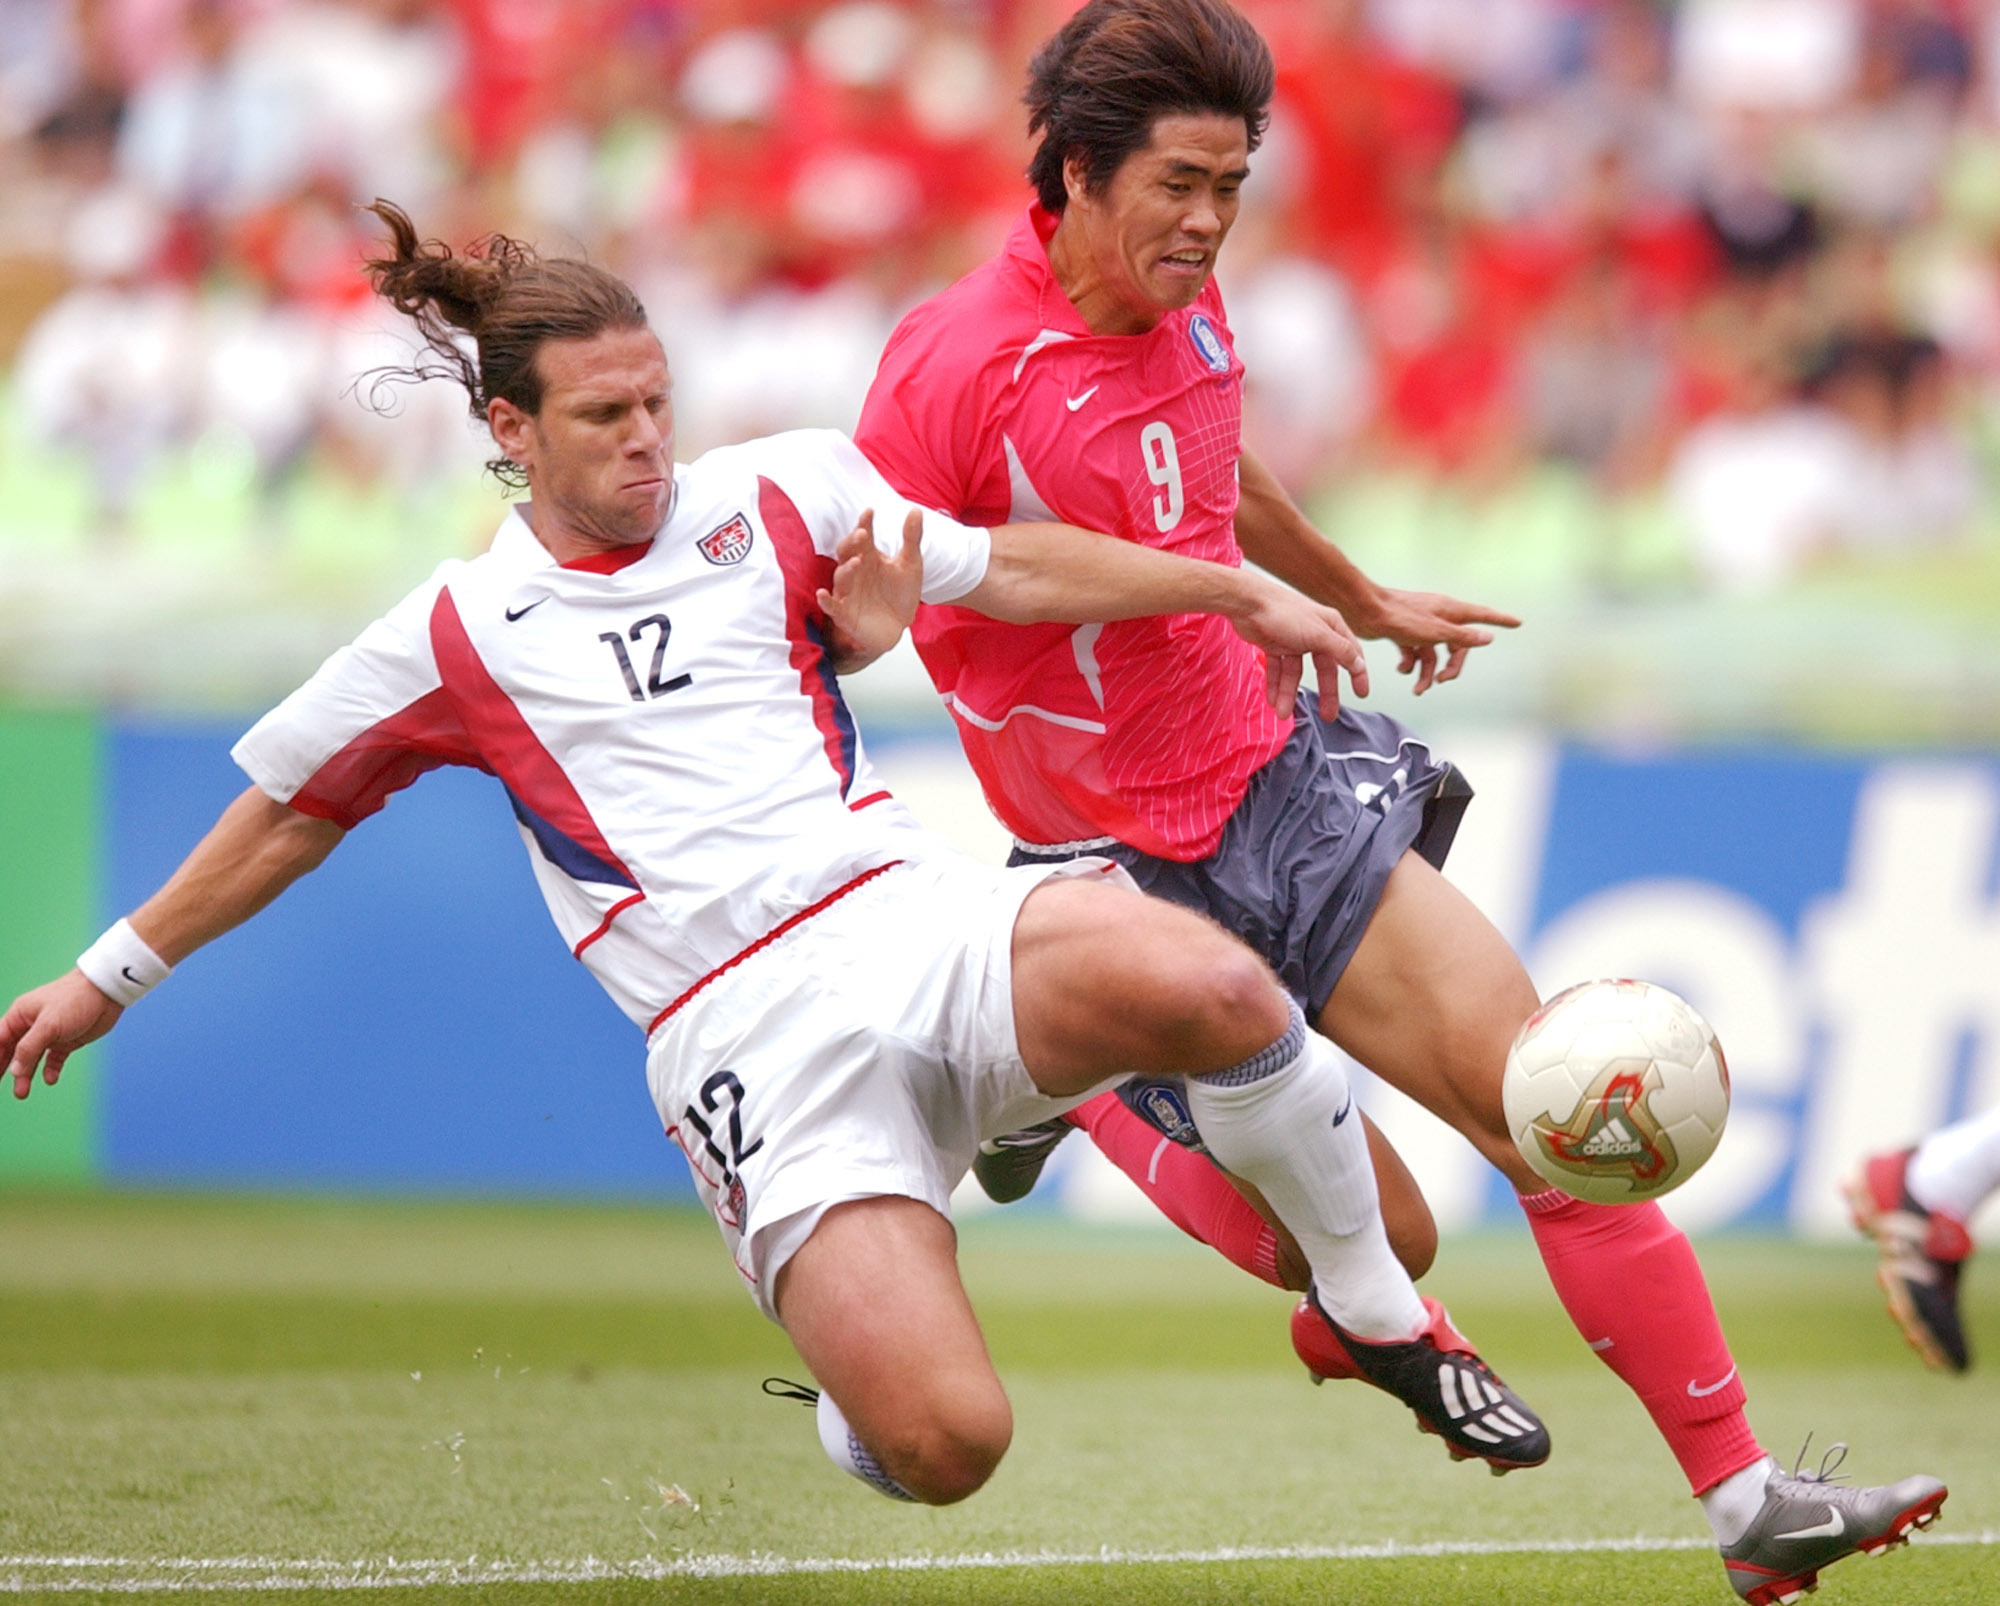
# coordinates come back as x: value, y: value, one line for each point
x: 1163, y: 468
x: 654, y: 684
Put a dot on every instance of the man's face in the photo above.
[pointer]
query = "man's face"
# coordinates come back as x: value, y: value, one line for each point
x: 600, y: 453
x: 1154, y: 233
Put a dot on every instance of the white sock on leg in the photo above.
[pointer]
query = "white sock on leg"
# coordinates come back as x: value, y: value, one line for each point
x: 844, y: 1447
x: 1284, y: 1120
x: 1956, y: 1167
x: 1732, y: 1505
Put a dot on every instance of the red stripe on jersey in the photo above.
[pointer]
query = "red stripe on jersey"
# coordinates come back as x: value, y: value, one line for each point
x: 507, y: 743
x: 385, y: 758
x: 604, y: 925
x: 807, y: 573
x: 770, y: 937
x: 870, y: 799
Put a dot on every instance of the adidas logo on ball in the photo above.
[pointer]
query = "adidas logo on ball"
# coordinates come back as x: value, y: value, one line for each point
x: 1611, y: 1142
x: 1616, y: 1091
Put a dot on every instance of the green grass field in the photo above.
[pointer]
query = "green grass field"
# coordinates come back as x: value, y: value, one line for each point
x: 532, y: 1404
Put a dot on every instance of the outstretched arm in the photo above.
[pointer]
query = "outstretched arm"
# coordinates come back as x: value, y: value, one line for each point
x: 1050, y: 573
x: 1276, y: 536
x: 254, y: 851
x: 1057, y: 573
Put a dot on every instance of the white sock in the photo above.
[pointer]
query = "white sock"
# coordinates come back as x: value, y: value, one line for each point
x: 1732, y: 1505
x: 848, y: 1453
x: 1956, y: 1167
x: 1284, y: 1119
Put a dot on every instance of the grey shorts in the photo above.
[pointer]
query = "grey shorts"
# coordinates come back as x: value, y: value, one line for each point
x: 1304, y: 858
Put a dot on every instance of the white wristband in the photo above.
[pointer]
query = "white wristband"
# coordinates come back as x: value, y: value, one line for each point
x: 121, y: 966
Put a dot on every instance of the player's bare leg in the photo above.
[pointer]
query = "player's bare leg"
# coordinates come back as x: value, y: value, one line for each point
x: 1106, y: 979
x: 873, y: 1299
x: 1431, y: 1001
x: 874, y: 1305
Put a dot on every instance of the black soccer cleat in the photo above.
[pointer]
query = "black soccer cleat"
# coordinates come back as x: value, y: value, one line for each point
x: 1009, y: 1166
x: 1922, y: 1253
x: 1440, y: 1377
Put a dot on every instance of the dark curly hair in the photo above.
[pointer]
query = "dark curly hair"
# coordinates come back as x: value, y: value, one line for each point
x: 507, y: 298
x: 1096, y: 89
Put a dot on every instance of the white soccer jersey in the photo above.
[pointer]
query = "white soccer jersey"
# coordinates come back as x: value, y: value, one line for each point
x: 665, y: 718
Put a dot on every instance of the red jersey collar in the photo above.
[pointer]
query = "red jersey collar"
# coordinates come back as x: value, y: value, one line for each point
x: 619, y: 557
x: 1027, y: 252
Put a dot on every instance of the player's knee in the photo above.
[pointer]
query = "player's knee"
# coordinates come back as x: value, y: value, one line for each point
x: 955, y: 1449
x: 1475, y: 1046
x: 1232, y: 999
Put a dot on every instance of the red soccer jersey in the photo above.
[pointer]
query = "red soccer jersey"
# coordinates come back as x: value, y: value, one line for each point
x: 994, y: 402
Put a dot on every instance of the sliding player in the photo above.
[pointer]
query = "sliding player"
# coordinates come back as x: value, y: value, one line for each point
x: 838, y: 1008
x: 1086, y: 373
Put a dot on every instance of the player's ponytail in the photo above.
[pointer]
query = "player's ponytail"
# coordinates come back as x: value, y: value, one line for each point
x: 506, y: 298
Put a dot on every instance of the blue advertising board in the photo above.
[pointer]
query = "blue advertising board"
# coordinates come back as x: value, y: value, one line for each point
x: 406, y: 1018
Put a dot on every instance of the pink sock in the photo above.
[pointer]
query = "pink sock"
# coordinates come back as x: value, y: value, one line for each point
x: 1629, y: 1280
x: 1187, y: 1187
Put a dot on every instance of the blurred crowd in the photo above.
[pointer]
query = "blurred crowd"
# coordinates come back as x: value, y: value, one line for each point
x: 1742, y: 255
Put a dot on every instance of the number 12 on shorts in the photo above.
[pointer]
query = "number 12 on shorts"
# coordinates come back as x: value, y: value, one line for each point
x: 708, y: 1121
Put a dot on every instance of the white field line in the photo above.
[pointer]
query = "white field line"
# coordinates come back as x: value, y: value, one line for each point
x: 122, y: 1574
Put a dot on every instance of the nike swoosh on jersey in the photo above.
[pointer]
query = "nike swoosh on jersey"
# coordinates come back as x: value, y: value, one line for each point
x: 1701, y: 1393
x: 1834, y: 1526
x: 516, y: 613
x: 1074, y: 402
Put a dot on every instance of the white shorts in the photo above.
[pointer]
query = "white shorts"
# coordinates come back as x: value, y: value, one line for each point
x: 867, y: 1051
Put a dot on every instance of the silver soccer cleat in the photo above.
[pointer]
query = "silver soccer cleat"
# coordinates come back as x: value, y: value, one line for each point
x: 1809, y: 1521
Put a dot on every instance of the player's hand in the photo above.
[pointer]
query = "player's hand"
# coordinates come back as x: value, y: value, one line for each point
x: 1425, y: 623
x: 1291, y: 628
x: 43, y: 1028
x: 874, y: 598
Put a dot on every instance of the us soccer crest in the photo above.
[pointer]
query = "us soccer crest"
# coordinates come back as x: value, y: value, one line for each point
x: 729, y: 544
x: 1612, y: 1130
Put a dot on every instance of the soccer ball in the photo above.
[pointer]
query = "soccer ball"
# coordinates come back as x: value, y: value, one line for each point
x: 1616, y: 1091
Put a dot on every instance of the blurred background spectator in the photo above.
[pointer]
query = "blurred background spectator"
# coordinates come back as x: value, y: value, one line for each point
x: 1632, y: 315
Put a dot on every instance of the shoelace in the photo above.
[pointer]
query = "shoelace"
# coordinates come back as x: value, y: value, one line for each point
x: 783, y: 1388
x: 1829, y: 1463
